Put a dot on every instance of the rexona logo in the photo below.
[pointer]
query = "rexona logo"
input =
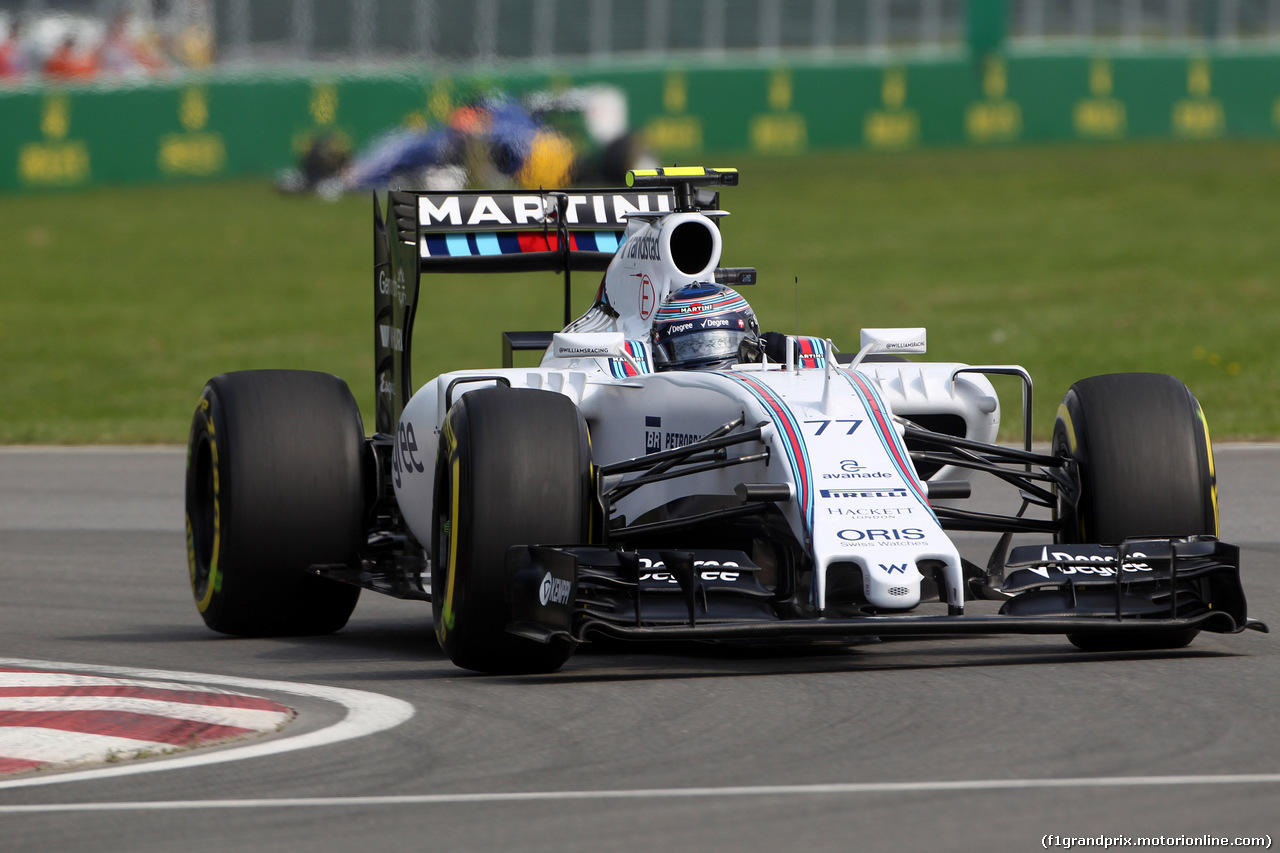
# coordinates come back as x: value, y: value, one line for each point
x: 554, y: 590
x: 882, y: 535
x: 863, y: 493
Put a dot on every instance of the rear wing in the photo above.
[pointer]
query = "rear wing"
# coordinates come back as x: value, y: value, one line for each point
x: 484, y: 232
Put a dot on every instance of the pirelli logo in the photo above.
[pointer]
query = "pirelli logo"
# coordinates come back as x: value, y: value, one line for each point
x: 863, y: 493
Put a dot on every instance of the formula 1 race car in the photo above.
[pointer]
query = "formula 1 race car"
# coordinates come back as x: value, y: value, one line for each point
x: 667, y: 472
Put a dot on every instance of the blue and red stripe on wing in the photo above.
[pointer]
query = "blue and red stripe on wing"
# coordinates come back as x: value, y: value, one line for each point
x: 789, y: 430
x: 889, y: 438
x: 490, y: 243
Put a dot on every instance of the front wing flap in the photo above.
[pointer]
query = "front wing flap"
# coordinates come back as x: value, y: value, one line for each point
x: 1157, y: 578
x: 1170, y: 585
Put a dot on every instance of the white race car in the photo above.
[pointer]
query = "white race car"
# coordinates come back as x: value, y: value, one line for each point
x: 667, y: 472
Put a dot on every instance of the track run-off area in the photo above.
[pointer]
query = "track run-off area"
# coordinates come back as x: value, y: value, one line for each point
x: 984, y: 743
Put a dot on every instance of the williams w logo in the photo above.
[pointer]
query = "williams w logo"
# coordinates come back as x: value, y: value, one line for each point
x: 894, y: 567
x: 391, y: 337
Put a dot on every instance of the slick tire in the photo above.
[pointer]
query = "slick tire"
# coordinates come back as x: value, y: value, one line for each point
x: 514, y: 468
x: 274, y: 486
x: 1143, y: 467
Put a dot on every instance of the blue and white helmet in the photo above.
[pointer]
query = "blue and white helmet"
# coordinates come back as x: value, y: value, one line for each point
x: 701, y: 327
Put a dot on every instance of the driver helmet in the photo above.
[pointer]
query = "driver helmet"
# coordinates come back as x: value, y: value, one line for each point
x: 701, y: 327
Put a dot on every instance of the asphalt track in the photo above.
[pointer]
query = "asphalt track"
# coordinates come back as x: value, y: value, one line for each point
x: 988, y: 743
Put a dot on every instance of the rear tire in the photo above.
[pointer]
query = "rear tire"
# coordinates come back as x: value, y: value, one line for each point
x: 1143, y: 467
x: 274, y: 485
x: 514, y: 468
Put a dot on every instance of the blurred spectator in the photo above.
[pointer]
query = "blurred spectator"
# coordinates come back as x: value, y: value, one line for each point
x: 189, y: 32
x: 69, y: 62
x: 491, y: 142
x: 128, y: 51
x: 16, y: 60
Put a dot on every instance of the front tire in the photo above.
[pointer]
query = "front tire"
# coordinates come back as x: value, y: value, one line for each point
x: 274, y: 485
x: 1143, y: 466
x: 513, y: 469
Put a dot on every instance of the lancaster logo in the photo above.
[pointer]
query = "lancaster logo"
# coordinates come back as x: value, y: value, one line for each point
x: 480, y: 211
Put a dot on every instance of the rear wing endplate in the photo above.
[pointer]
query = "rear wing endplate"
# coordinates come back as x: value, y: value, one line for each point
x: 484, y: 232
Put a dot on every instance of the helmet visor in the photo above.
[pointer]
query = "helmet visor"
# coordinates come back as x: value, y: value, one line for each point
x: 702, y: 346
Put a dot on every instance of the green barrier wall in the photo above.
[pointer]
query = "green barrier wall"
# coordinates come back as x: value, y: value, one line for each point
x: 229, y: 126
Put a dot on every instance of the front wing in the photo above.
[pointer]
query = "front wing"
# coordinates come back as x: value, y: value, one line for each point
x: 1163, y: 585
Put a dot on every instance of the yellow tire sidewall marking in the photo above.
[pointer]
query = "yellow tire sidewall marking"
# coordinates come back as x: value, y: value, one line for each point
x: 447, y: 617
x: 203, y: 602
x: 1213, y: 474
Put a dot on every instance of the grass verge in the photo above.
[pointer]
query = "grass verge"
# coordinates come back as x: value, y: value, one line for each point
x: 117, y: 305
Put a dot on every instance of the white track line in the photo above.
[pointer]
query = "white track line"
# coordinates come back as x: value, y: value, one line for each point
x: 836, y: 789
x: 367, y: 713
x: 66, y: 679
